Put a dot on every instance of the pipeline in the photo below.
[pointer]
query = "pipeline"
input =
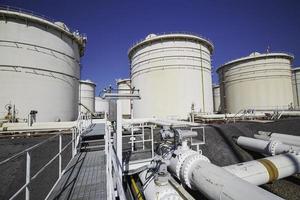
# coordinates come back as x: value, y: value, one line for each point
x: 272, y: 147
x: 157, y: 187
x: 196, y: 172
x: 268, y: 169
x: 216, y: 183
x: 286, y: 139
x: 136, y: 190
x: 234, y: 182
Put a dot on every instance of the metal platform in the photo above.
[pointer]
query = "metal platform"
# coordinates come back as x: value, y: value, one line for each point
x: 96, y: 129
x: 85, y: 178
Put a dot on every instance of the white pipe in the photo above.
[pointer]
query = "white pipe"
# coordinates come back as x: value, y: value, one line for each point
x: 37, y: 126
x: 287, y: 139
x: 290, y: 113
x: 266, y: 170
x: 216, y: 183
x: 229, y: 115
x: 155, y: 190
x: 195, y: 171
x: 272, y: 147
x: 284, y: 138
x: 158, y: 121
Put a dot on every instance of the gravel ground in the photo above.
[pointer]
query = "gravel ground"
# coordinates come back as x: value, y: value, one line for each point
x: 219, y: 147
x: 12, y: 174
x: 222, y: 151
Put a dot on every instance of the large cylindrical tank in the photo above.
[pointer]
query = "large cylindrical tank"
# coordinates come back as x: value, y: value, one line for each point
x: 87, y: 96
x: 101, y: 105
x: 258, y: 81
x: 173, y: 74
x: 39, y: 66
x: 296, y: 86
x: 125, y: 87
x: 216, y: 98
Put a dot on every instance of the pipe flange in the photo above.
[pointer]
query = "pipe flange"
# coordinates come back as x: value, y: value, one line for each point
x: 272, y: 146
x: 187, y: 167
x: 181, y: 159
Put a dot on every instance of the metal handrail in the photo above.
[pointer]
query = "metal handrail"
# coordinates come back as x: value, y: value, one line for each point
x: 28, y: 149
x: 29, y: 177
x: 34, y: 14
x: 234, y: 117
x: 48, y: 163
x: 143, y: 140
x: 261, y: 54
x: 175, y: 32
x: 116, y: 167
x: 25, y: 11
x: 113, y: 166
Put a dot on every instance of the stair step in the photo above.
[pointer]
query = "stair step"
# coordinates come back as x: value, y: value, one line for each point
x: 93, y: 147
x: 92, y: 141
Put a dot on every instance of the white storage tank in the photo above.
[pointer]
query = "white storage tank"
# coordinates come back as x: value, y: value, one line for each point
x: 87, y: 96
x: 173, y: 74
x: 258, y: 81
x: 125, y: 87
x: 296, y: 86
x: 216, y: 98
x: 39, y: 67
x: 101, y: 105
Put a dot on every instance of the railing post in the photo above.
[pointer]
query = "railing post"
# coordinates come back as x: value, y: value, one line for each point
x: 59, y: 157
x: 108, y: 162
x: 119, y: 137
x: 91, y: 119
x: 152, y: 142
x: 132, y: 137
x: 28, y: 160
x: 73, y: 142
x: 143, y: 135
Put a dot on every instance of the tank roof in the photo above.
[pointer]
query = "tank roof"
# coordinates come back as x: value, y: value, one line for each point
x: 87, y: 82
x: 119, y: 81
x: 296, y: 69
x: 100, y: 98
x: 8, y: 11
x: 255, y: 56
x: 153, y: 37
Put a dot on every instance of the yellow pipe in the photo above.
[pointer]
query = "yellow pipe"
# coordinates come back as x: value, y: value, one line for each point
x: 136, y: 189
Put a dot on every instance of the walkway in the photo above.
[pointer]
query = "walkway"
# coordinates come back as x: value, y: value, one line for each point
x: 85, y: 176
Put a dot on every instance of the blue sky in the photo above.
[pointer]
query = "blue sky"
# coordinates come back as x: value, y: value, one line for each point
x: 236, y: 28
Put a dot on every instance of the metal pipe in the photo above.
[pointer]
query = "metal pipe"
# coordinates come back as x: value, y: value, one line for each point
x: 217, y: 183
x: 157, y: 189
x: 196, y: 172
x: 272, y: 147
x: 28, y: 164
x: 284, y: 138
x: 138, y: 193
x: 287, y: 139
x: 267, y: 170
x: 158, y: 121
